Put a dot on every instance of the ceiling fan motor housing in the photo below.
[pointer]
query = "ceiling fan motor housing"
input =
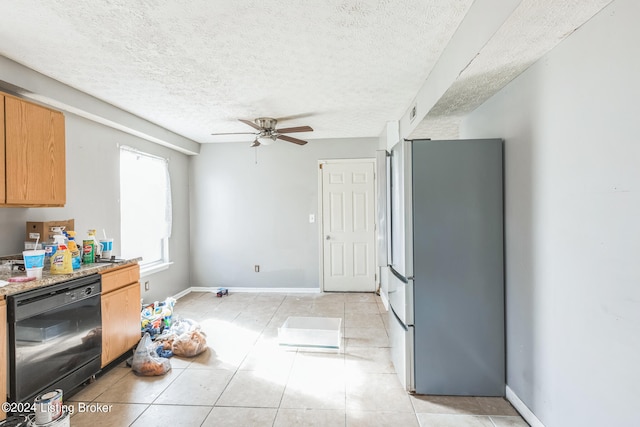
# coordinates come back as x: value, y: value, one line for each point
x: 266, y: 122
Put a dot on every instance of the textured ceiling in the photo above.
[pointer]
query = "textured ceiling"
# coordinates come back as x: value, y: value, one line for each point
x: 533, y: 29
x: 344, y: 67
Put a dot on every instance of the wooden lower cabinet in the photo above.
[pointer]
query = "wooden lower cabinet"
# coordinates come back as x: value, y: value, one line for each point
x: 3, y: 193
x: 3, y: 352
x: 120, y: 317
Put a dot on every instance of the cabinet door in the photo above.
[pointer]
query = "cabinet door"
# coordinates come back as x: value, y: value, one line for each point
x: 116, y: 278
x: 132, y: 315
x: 34, y: 154
x: 2, y: 171
x: 120, y: 322
x: 3, y: 352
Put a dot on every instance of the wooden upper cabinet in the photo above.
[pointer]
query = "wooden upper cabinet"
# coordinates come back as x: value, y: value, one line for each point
x: 34, y: 154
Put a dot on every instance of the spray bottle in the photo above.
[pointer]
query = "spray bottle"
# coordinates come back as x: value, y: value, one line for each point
x: 76, y: 257
x: 61, y: 259
x: 96, y: 243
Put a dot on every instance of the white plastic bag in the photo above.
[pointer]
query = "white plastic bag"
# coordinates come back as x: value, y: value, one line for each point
x: 189, y: 344
x: 185, y: 338
x: 146, y: 361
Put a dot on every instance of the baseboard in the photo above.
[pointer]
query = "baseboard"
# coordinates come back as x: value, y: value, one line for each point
x: 523, y: 409
x: 277, y: 290
x: 182, y: 293
x: 255, y: 290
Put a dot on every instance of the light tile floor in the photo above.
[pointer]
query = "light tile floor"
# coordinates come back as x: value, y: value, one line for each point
x: 246, y: 379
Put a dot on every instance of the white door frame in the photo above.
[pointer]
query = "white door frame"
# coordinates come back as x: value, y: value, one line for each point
x: 371, y: 160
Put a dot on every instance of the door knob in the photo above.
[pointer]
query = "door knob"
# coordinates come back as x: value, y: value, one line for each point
x: 327, y: 238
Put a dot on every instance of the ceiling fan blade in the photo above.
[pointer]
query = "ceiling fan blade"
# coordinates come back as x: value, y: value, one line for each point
x: 295, y: 129
x: 250, y: 123
x: 291, y: 139
x: 255, y: 143
x: 234, y: 133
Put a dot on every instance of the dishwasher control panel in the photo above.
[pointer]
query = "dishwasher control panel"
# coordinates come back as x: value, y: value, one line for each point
x: 80, y: 293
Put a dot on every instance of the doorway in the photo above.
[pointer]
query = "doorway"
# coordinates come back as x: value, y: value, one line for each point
x: 347, y: 231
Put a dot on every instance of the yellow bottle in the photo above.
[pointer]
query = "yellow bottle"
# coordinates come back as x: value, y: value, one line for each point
x: 61, y: 258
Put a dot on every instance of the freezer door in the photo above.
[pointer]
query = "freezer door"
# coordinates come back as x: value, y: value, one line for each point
x: 401, y: 296
x: 401, y: 341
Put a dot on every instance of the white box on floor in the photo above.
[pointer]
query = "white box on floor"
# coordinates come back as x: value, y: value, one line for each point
x: 323, y: 332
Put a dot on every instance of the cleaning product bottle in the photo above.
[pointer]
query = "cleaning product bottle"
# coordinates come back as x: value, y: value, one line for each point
x: 76, y: 257
x: 96, y: 244
x: 88, y: 250
x: 61, y: 259
x: 49, y: 249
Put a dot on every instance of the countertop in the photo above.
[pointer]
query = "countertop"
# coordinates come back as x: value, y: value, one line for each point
x: 49, y: 279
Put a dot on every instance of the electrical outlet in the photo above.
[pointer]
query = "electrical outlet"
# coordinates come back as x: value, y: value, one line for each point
x: 146, y: 285
x: 256, y: 268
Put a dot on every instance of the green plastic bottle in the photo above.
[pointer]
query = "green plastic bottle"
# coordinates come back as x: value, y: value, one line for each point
x: 88, y: 251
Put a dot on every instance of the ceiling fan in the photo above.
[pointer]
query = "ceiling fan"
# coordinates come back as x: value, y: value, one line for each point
x: 267, y: 133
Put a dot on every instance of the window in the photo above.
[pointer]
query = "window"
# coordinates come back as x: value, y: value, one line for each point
x: 145, y: 208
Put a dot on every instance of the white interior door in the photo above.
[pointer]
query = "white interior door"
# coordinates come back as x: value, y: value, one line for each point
x: 348, y: 226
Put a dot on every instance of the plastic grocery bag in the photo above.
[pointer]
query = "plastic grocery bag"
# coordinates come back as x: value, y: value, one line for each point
x: 189, y: 344
x: 182, y: 326
x: 146, y: 361
x: 184, y: 338
x: 156, y: 317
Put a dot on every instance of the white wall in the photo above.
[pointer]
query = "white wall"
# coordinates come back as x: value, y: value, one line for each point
x: 245, y: 213
x: 93, y: 191
x: 572, y: 159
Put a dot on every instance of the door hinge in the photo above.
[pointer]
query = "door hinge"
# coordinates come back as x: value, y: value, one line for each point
x: 320, y: 165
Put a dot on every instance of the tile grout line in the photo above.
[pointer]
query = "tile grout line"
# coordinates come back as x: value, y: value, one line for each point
x: 245, y: 358
x: 284, y: 389
x: 151, y: 403
x: 344, y: 352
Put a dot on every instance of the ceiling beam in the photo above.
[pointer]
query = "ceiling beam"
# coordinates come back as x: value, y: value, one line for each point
x: 482, y: 21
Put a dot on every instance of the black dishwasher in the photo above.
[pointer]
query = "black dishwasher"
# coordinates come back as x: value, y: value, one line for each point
x: 55, y: 337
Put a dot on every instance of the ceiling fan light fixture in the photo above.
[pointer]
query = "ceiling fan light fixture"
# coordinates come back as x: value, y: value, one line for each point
x: 266, y: 139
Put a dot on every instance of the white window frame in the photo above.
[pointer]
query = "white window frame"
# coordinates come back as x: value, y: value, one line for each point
x: 147, y: 268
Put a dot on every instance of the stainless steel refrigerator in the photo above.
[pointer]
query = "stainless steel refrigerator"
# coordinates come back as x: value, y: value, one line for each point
x: 445, y: 265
